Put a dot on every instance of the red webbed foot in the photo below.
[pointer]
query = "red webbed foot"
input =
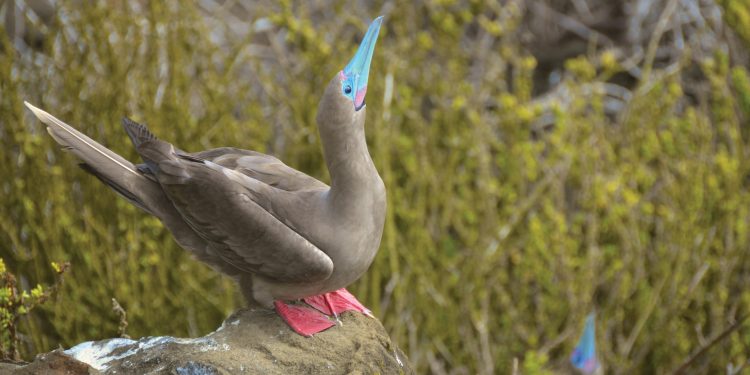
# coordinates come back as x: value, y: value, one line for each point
x: 308, y: 321
x: 303, y: 319
x: 336, y: 302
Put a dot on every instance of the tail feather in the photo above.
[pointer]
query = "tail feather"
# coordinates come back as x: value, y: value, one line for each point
x: 138, y: 133
x: 160, y: 158
x: 112, y: 169
x: 127, y: 179
x: 88, y: 150
x: 125, y: 193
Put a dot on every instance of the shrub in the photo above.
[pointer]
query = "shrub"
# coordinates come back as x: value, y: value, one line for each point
x: 513, y: 211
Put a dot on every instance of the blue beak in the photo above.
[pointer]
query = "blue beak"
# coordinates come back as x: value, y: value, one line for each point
x: 584, y: 355
x: 354, y: 76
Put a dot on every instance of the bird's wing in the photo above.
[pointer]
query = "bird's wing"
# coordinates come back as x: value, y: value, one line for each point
x: 261, y: 167
x: 234, y: 212
x: 233, y: 216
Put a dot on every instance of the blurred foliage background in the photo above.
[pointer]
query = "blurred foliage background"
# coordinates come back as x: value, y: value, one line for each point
x: 543, y: 159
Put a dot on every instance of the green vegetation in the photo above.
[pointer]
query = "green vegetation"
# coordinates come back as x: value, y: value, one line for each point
x: 737, y: 15
x: 509, y: 219
x: 15, y: 303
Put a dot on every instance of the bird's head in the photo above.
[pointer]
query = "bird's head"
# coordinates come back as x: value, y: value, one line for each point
x: 354, y: 76
x: 345, y: 95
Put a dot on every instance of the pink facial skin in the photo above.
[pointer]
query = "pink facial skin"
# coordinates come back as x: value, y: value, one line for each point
x: 359, y: 96
x: 359, y: 99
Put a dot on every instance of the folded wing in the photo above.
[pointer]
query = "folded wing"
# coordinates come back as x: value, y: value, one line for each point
x: 230, y: 205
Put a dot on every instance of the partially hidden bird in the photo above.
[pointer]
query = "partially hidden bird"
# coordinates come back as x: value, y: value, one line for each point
x: 584, y: 355
x: 289, y: 240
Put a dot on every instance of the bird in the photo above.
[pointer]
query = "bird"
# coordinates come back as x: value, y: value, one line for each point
x: 584, y: 355
x: 291, y: 242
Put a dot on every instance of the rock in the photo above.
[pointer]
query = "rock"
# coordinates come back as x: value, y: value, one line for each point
x: 54, y: 362
x: 250, y: 341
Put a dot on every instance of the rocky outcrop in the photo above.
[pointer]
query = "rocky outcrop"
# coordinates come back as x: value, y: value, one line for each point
x: 249, y: 341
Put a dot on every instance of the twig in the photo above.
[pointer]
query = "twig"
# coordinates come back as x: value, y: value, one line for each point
x: 582, y: 8
x: 705, y: 348
x: 572, y: 25
x: 525, y: 205
x: 641, y: 322
x: 653, y: 44
x: 731, y: 370
x: 123, y: 318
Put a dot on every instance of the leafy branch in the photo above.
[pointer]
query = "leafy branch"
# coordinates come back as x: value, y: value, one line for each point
x: 15, y: 303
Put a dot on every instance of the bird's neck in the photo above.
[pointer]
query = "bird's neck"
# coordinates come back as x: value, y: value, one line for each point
x: 352, y: 171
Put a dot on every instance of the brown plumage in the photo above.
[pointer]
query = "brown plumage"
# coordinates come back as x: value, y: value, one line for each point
x: 280, y: 233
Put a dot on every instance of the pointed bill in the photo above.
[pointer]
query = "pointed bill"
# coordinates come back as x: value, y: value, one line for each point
x: 584, y: 356
x: 358, y: 69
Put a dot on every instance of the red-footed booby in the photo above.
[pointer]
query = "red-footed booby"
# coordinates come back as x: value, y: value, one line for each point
x: 283, y: 235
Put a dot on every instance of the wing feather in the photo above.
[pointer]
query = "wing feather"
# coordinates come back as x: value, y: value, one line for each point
x: 262, y: 167
x: 227, y: 212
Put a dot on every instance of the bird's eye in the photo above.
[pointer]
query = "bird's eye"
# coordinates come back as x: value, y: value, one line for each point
x: 347, y: 89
